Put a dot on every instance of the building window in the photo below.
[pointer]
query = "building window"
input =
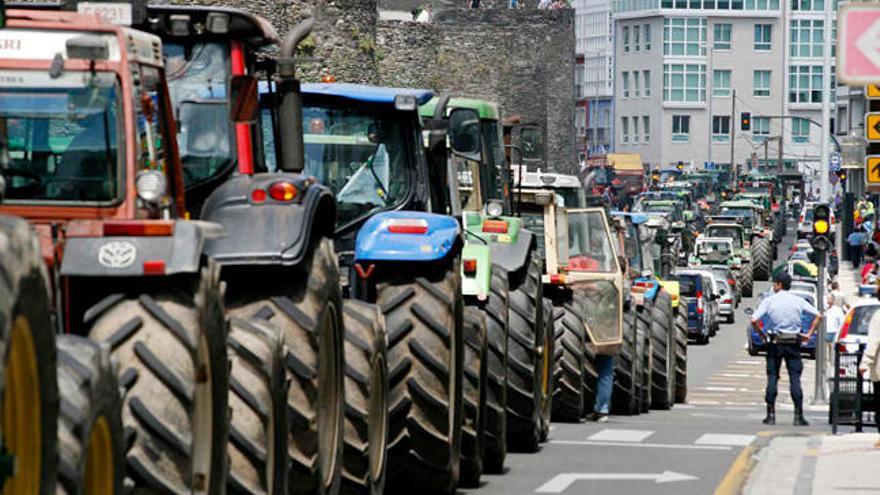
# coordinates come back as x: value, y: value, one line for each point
x: 805, y: 84
x: 646, y: 128
x: 807, y: 38
x: 625, y: 39
x: 761, y: 83
x: 721, y: 83
x: 637, y: 35
x: 800, y: 131
x: 684, y: 82
x: 647, y: 37
x: 625, y: 82
x: 636, y: 130
x: 630, y: 5
x: 624, y: 124
x: 721, y: 128
x: 760, y: 129
x: 681, y: 128
x: 646, y: 78
x: 722, y: 36
x: 763, y: 37
x: 808, y: 5
x: 684, y: 36
x: 637, y: 85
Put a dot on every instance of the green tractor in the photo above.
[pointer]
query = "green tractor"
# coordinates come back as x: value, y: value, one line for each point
x: 502, y: 276
x: 760, y: 238
x: 740, y: 260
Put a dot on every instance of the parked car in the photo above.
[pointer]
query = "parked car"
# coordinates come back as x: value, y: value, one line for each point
x: 693, y: 296
x: 853, y: 332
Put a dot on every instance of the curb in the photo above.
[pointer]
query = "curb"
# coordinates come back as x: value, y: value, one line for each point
x: 736, y: 477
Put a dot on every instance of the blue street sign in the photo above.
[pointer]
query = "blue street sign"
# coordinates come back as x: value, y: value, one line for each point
x: 834, y: 162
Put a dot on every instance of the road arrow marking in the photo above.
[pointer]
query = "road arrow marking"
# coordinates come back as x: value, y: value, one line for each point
x: 561, y: 482
x: 869, y: 43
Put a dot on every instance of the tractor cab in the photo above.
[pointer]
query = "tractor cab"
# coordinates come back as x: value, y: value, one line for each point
x: 528, y: 139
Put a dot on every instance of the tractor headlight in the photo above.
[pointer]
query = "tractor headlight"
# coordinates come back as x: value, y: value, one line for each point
x: 150, y: 185
x: 494, y: 209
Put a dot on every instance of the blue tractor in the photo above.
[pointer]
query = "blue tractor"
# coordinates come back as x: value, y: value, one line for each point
x: 401, y: 254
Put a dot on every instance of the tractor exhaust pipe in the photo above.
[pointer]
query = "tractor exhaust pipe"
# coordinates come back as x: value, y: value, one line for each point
x: 290, y: 95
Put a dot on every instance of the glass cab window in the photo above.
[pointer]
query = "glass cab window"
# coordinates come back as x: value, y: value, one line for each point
x: 585, y: 245
x: 58, y: 136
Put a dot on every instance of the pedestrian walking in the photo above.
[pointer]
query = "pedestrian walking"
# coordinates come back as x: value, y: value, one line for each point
x: 856, y: 241
x: 604, y: 386
x: 782, y: 313
x: 871, y: 363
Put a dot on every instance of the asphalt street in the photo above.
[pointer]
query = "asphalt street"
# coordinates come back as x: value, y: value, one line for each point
x: 688, y: 449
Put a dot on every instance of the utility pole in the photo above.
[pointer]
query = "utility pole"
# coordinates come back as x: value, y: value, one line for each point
x: 825, y: 192
x: 766, y: 158
x: 733, y: 123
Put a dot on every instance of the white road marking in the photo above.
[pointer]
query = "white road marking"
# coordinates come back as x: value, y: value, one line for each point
x: 722, y: 389
x: 562, y: 482
x: 645, y: 445
x: 705, y: 403
x: 736, y: 375
x: 612, y: 435
x: 749, y: 361
x: 725, y: 439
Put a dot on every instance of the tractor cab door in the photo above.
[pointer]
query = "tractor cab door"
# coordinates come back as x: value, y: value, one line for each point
x: 587, y: 258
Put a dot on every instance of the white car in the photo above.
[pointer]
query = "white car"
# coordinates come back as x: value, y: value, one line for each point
x: 853, y: 333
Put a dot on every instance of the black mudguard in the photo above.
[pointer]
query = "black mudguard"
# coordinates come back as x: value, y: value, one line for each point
x: 515, y: 255
x: 267, y: 232
x: 124, y: 256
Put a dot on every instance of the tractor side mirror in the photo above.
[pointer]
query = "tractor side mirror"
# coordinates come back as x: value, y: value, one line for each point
x: 464, y: 132
x: 244, y: 100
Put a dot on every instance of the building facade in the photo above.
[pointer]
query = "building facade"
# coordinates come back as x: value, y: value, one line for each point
x: 595, y: 76
x: 678, y: 64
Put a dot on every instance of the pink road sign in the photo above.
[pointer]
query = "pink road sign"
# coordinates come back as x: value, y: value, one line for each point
x: 858, y: 44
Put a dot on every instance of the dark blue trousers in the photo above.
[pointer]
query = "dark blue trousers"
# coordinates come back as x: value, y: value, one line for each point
x: 791, y: 354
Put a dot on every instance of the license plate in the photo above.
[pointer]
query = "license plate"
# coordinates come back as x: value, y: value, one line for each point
x: 116, y: 13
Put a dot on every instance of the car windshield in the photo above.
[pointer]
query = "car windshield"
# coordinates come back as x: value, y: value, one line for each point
x: 861, y: 321
x: 687, y: 285
x: 589, y: 245
x: 808, y: 216
x: 362, y: 156
x: 197, y: 79
x: 58, y: 136
x: 728, y: 232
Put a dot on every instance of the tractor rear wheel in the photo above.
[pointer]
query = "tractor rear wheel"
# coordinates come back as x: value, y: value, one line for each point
x: 496, y: 309
x: 647, y: 358
x: 306, y: 308
x: 568, y: 404
x: 663, y: 335
x: 746, y: 282
x: 761, y: 258
x: 90, y: 440
x: 171, y: 348
x: 28, y: 384
x: 524, y: 363
x: 475, y: 383
x: 681, y: 349
x: 625, y: 396
x: 548, y: 367
x: 424, y: 319
x: 366, y: 399
x: 257, y: 401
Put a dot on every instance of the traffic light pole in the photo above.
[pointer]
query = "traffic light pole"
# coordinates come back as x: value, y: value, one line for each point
x: 733, y: 166
x: 819, y: 393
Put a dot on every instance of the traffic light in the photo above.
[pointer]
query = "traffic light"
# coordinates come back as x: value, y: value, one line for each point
x: 841, y: 175
x: 680, y: 166
x: 822, y: 240
x: 745, y: 121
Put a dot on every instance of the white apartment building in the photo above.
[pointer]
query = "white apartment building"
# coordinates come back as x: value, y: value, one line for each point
x: 679, y: 62
x: 595, y: 75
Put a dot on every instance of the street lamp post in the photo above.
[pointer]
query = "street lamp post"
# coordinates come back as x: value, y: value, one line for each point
x: 825, y: 194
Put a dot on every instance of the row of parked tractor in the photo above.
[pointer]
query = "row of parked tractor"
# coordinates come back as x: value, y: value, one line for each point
x: 215, y: 278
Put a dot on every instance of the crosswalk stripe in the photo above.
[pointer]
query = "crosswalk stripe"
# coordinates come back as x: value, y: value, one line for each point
x: 725, y: 439
x: 614, y: 435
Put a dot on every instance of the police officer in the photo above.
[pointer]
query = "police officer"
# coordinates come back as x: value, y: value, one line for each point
x: 782, y: 331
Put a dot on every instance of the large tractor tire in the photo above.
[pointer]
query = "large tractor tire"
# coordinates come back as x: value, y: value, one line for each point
x: 681, y: 358
x: 548, y: 367
x: 746, y: 281
x: 646, y: 352
x: 761, y: 258
x: 306, y: 308
x: 475, y: 383
x: 90, y: 439
x: 258, y: 404
x: 28, y: 385
x: 496, y: 309
x: 171, y: 348
x: 568, y: 403
x: 423, y: 317
x: 524, y: 362
x: 663, y: 335
x: 366, y: 399
x: 625, y: 395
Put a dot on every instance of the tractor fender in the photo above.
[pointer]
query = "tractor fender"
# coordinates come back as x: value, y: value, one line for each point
x: 136, y: 256
x: 476, y: 283
x: 432, y: 237
x: 511, y: 256
x: 267, y: 232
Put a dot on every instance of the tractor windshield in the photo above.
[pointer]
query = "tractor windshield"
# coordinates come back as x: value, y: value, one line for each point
x: 364, y: 157
x: 197, y: 77
x: 714, y: 249
x: 588, y: 247
x: 571, y: 197
x: 727, y: 232
x: 58, y: 136
x: 495, y: 161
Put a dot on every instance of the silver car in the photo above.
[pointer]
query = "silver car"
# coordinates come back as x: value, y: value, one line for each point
x: 726, y: 301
